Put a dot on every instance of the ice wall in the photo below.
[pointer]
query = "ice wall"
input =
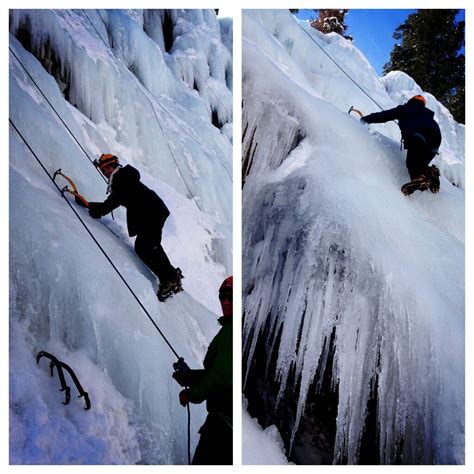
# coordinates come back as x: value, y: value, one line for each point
x: 331, y: 247
x: 109, y: 82
x: 120, y: 79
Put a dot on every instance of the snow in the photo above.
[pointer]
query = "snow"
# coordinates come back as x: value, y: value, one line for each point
x: 330, y: 242
x: 260, y: 446
x: 65, y: 298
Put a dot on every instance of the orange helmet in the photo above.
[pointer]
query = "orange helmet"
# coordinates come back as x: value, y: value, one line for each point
x: 419, y: 98
x: 106, y: 159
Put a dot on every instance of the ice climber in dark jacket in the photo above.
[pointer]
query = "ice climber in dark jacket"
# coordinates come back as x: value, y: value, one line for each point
x: 421, y: 137
x: 146, y: 215
x: 213, y: 384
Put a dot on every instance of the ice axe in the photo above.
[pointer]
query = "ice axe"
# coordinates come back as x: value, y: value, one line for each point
x: 79, y: 198
x: 55, y: 362
x: 352, y: 109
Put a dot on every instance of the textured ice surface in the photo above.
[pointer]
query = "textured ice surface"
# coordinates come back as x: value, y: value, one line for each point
x: 260, y: 446
x: 110, y: 79
x: 330, y: 242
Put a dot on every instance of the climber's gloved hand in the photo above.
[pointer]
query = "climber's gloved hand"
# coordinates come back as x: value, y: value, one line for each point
x: 94, y: 210
x: 182, y: 378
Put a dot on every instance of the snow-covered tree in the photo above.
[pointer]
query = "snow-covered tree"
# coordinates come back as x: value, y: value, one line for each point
x: 331, y: 20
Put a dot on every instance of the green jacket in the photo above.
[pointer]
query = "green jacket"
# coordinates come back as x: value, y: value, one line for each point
x: 214, y: 383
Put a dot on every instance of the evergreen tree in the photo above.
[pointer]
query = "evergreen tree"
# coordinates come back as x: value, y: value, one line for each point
x: 331, y: 20
x: 429, y: 48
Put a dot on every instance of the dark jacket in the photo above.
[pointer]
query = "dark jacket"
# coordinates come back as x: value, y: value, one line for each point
x: 413, y: 117
x: 214, y: 383
x: 145, y: 210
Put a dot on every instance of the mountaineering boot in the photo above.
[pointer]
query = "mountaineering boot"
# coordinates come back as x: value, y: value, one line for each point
x: 421, y: 183
x: 434, y: 179
x: 170, y: 288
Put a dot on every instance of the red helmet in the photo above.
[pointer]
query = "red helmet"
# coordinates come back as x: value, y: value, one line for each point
x: 226, y: 296
x: 419, y: 98
x: 227, y: 283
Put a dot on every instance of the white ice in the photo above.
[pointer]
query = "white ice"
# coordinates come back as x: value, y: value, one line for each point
x: 329, y: 241
x: 65, y: 298
x: 260, y: 446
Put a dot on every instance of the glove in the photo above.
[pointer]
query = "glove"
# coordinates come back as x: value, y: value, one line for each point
x: 182, y: 378
x: 94, y: 210
x: 184, y: 397
x: 362, y: 119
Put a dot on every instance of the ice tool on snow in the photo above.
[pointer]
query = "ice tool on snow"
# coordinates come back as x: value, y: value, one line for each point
x: 81, y: 200
x: 64, y: 387
x: 171, y: 288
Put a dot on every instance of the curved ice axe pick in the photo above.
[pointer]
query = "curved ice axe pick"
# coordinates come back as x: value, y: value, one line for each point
x: 73, y: 191
x: 55, y: 362
x: 352, y: 109
x: 82, y: 392
x: 60, y: 366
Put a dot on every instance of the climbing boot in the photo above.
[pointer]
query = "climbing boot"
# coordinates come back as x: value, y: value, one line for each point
x: 170, y: 288
x: 421, y: 183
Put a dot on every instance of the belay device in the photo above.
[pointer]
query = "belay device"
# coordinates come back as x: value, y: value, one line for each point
x: 64, y: 387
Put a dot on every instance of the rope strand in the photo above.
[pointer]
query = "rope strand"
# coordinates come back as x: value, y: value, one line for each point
x: 55, y: 111
x: 117, y: 271
x: 96, y: 241
x: 344, y: 72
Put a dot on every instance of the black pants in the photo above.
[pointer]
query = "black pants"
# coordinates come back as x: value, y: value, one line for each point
x: 421, y: 149
x: 148, y: 248
x: 215, y: 443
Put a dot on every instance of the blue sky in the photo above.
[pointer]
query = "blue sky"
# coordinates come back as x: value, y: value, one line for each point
x: 372, y: 31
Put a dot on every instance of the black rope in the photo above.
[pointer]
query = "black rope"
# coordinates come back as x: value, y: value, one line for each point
x: 189, y: 434
x: 55, y: 111
x: 330, y: 57
x: 96, y: 241
x: 85, y: 226
x: 116, y: 269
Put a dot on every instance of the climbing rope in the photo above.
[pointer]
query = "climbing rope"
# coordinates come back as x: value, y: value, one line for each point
x: 116, y: 270
x: 95, y: 240
x: 189, y: 434
x: 344, y: 72
x: 55, y: 111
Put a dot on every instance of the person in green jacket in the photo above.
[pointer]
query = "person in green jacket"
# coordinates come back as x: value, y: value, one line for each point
x: 213, y: 384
